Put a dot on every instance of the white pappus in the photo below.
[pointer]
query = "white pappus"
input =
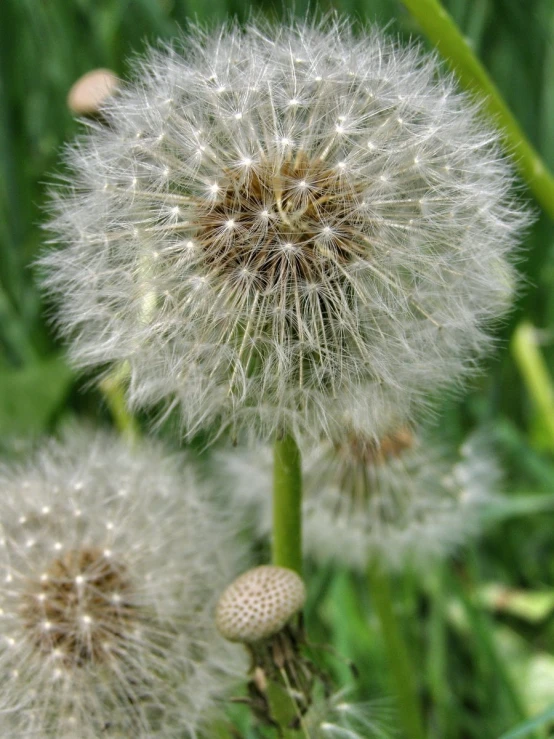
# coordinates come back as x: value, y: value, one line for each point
x: 110, y: 563
x: 404, y: 499
x: 271, y: 217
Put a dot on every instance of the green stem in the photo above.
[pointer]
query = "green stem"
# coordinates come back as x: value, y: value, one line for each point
x: 112, y: 388
x: 287, y: 504
x: 538, y: 381
x: 399, y: 660
x: 441, y: 30
x: 438, y: 655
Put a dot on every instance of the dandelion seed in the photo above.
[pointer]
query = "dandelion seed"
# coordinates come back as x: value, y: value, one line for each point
x: 335, y: 717
x: 108, y: 631
x: 399, y: 212
x: 404, y: 498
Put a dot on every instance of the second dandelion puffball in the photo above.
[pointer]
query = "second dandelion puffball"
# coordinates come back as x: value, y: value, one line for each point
x: 106, y: 606
x: 273, y: 216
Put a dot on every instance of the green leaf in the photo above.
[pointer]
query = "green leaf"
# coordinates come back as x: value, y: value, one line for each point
x: 29, y: 397
x: 518, y: 505
x: 524, y: 729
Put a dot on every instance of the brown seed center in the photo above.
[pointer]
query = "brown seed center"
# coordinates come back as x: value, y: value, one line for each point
x: 361, y: 450
x: 293, y: 217
x: 79, y: 607
x: 358, y: 459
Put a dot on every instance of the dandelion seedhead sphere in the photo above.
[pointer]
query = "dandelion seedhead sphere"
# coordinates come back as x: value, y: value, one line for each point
x: 273, y: 216
x: 108, y: 577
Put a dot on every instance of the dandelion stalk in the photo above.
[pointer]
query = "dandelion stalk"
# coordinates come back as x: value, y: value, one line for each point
x: 287, y: 503
x: 441, y: 30
x: 397, y: 654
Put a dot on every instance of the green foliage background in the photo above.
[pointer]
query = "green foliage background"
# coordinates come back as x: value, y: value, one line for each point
x: 481, y: 627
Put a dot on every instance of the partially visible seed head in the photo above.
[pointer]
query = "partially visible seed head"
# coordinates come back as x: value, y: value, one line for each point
x: 407, y: 497
x: 107, y: 581
x: 259, y: 603
x: 336, y: 717
x: 356, y: 448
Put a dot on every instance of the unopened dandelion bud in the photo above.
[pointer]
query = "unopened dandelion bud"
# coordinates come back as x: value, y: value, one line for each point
x: 260, y: 603
x: 91, y: 91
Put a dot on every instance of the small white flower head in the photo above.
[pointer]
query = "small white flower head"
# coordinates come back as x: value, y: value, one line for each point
x: 272, y: 217
x: 260, y: 603
x: 109, y: 561
x: 404, y: 498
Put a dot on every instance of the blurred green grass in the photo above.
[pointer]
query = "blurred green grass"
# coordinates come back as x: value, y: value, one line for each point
x: 485, y: 666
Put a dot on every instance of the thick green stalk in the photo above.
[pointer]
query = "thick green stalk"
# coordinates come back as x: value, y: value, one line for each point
x: 441, y: 30
x: 287, y: 504
x: 399, y: 661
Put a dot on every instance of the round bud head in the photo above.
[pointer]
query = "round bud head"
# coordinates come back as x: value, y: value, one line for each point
x: 90, y: 91
x: 259, y: 603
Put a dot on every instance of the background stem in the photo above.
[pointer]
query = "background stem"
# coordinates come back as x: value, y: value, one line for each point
x: 533, y: 367
x: 287, y: 504
x: 441, y: 30
x: 399, y: 662
x: 112, y: 387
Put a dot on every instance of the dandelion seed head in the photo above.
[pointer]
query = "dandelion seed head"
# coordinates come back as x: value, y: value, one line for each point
x: 109, y: 629
x: 350, y: 214
x: 403, y: 498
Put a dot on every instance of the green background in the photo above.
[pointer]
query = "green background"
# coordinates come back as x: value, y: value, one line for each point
x: 481, y: 626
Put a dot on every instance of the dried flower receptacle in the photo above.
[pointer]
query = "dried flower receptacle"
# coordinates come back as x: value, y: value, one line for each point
x: 262, y: 610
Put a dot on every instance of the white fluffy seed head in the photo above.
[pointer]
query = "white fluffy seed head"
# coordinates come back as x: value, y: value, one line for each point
x: 406, y: 499
x: 109, y: 560
x: 259, y: 603
x: 274, y: 216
